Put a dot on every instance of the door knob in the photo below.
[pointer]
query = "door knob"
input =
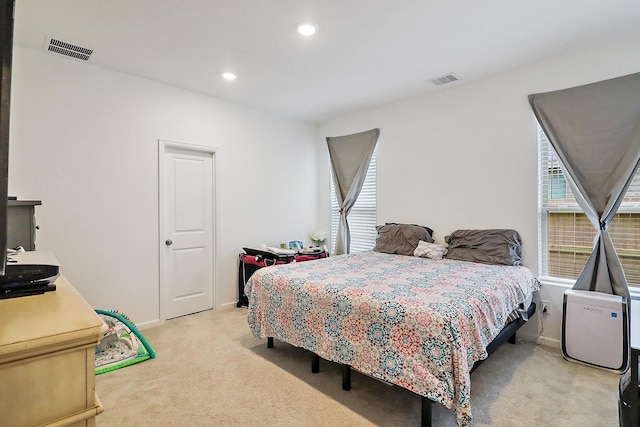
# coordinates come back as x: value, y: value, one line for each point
x: 168, y: 242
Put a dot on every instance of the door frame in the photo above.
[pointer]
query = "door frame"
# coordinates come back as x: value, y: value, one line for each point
x: 163, y: 145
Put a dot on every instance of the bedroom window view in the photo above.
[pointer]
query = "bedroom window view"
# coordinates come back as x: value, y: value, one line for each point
x: 566, y: 235
x: 362, y: 218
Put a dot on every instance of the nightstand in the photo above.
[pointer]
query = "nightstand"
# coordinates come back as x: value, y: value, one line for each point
x: 250, y: 263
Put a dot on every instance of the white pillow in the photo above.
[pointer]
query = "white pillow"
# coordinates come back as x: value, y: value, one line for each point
x: 429, y: 250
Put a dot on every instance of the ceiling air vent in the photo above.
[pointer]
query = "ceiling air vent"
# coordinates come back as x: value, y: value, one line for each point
x: 69, y: 49
x: 445, y: 79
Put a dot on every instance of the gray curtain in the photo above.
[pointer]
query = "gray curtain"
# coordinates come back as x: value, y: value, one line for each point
x: 350, y: 157
x: 595, y: 132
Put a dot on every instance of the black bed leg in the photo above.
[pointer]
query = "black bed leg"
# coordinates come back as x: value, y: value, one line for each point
x: 269, y: 342
x: 315, y: 364
x: 346, y: 377
x: 512, y: 339
x: 426, y: 412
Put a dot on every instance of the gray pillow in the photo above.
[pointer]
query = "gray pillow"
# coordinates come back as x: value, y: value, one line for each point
x: 494, y: 246
x: 401, y: 239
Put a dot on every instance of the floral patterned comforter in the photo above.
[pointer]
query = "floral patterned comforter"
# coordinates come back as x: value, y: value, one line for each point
x: 414, y: 322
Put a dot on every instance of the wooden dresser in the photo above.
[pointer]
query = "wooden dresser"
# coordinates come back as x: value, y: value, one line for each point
x: 47, y: 359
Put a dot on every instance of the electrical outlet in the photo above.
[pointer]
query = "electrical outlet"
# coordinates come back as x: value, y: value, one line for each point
x: 545, y: 307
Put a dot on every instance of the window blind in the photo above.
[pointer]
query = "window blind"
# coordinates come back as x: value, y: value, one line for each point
x: 565, y: 233
x: 363, y: 216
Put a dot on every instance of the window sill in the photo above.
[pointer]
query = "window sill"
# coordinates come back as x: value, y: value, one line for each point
x: 568, y: 283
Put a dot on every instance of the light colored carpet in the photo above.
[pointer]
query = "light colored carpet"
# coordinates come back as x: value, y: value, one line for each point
x: 209, y: 371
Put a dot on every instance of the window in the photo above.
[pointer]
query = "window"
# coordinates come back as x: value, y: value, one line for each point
x: 566, y: 234
x: 362, y: 218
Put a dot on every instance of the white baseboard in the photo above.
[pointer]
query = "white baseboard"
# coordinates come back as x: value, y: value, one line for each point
x: 549, y: 342
x: 148, y: 324
x: 157, y: 322
x: 229, y: 305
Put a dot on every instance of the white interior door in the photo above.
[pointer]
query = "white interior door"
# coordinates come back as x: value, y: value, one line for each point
x: 186, y: 229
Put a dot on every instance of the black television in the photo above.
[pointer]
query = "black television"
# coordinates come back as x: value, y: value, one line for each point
x: 6, y: 55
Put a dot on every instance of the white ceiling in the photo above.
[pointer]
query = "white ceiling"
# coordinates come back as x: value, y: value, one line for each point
x: 365, y: 53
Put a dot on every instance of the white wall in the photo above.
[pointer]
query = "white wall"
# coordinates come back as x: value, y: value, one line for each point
x: 465, y: 156
x: 84, y: 140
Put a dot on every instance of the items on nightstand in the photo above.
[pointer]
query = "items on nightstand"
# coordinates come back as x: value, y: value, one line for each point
x: 296, y: 244
x: 279, y: 251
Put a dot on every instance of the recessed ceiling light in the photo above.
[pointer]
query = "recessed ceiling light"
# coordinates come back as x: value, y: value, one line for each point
x: 229, y: 76
x: 306, y: 29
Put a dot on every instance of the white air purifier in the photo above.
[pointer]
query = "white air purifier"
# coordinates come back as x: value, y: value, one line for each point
x: 595, y: 329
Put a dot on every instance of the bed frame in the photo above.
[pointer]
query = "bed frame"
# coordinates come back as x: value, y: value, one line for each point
x: 508, y: 333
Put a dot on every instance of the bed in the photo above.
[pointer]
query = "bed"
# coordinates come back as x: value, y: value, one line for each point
x: 418, y: 323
